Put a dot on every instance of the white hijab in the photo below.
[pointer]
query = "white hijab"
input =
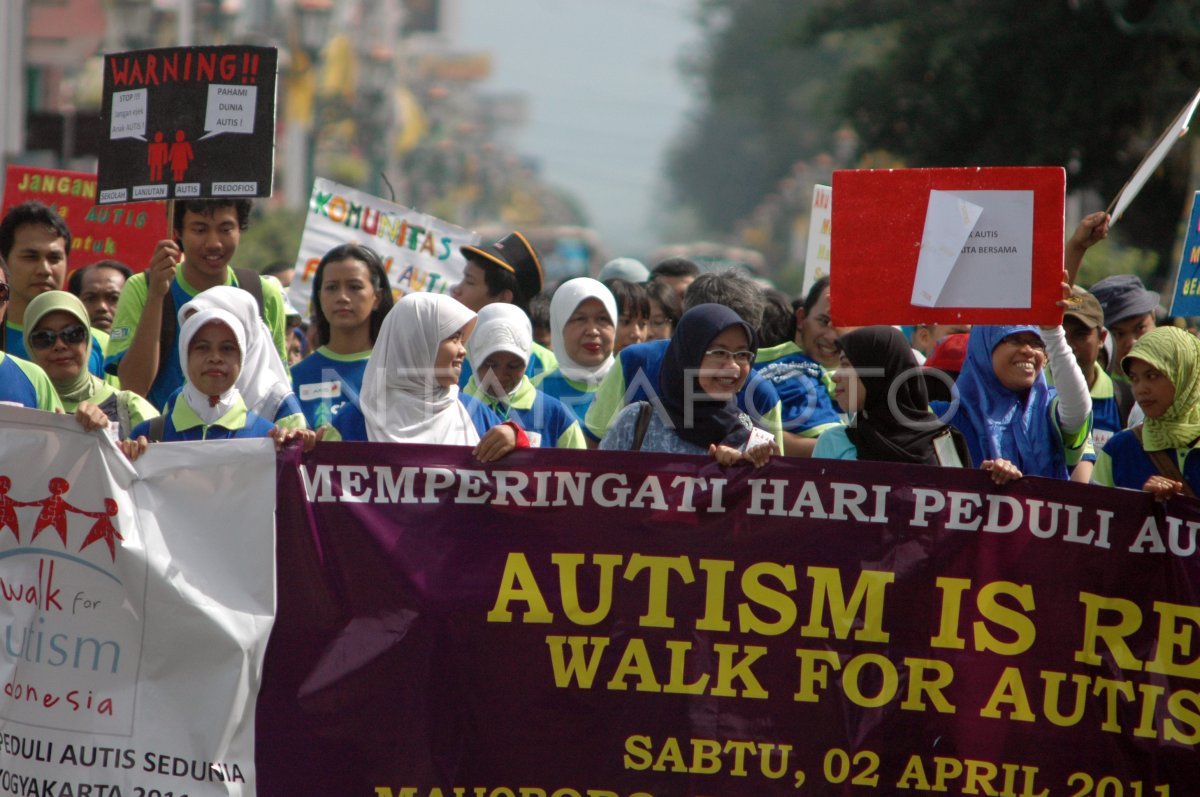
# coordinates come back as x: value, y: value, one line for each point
x: 264, y: 382
x: 500, y: 327
x: 209, y: 408
x: 563, y: 304
x: 401, y: 399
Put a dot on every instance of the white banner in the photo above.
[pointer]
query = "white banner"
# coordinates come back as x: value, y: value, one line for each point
x: 136, y: 605
x: 420, y: 252
x: 820, y: 221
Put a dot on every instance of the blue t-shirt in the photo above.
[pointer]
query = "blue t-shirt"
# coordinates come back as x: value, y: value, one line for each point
x: 325, y: 382
x: 641, y: 364
x: 181, y: 424
x: 538, y: 414
x: 834, y: 443
x: 289, y: 406
x: 351, y: 424
x: 800, y: 382
x: 1124, y: 463
x: 575, y: 396
x: 15, y: 386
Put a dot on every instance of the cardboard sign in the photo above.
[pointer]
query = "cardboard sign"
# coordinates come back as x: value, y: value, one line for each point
x: 188, y: 122
x: 921, y: 246
x: 820, y: 238
x: 127, y: 233
x: 1175, y: 131
x: 1186, y: 301
x: 420, y: 252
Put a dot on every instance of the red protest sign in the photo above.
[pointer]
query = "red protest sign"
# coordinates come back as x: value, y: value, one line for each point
x: 975, y: 245
x: 124, y: 232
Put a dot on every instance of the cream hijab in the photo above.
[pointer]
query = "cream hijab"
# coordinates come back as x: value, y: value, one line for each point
x: 563, y: 304
x: 500, y: 327
x: 264, y: 381
x: 210, y: 408
x: 401, y: 399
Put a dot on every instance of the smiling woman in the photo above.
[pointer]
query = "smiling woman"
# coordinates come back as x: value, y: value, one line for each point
x: 58, y: 338
x: 583, y: 323
x: 1013, y: 421
x: 705, y: 365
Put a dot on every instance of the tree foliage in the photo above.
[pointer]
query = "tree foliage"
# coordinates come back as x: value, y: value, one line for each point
x: 1083, y: 84
x: 762, y: 109
x: 273, y: 235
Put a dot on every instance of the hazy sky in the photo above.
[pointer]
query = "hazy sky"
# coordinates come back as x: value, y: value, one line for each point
x: 605, y: 97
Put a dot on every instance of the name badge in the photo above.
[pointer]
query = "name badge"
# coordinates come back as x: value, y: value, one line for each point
x: 320, y: 390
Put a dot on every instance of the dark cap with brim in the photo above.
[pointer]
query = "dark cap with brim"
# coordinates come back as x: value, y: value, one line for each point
x: 1123, y: 296
x: 514, y: 254
x: 1085, y: 309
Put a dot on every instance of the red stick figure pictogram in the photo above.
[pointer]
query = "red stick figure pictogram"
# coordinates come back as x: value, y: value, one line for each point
x: 181, y: 156
x: 104, y: 529
x: 54, y: 510
x: 8, y: 513
x: 158, y: 156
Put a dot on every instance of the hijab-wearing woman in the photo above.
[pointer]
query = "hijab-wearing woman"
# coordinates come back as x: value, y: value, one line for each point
x: 1164, y: 369
x: 1014, y: 423
x: 880, y: 382
x: 263, y: 381
x: 583, y: 323
x: 499, y: 351
x: 58, y: 338
x: 705, y: 365
x: 351, y: 297
x: 410, y: 388
x: 209, y: 406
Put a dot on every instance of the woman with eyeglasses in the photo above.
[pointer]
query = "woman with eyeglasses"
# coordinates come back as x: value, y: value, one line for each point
x: 705, y: 365
x: 1016, y: 424
x: 58, y: 337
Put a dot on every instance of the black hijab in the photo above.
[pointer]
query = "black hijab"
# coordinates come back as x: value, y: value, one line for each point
x: 899, y: 430
x: 711, y: 421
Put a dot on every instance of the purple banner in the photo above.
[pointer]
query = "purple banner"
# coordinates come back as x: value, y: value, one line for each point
x: 597, y: 623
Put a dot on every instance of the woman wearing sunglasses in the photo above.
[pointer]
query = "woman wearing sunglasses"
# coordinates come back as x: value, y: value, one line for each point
x: 58, y: 337
x: 705, y: 365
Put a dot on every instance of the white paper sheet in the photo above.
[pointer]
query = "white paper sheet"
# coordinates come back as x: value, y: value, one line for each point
x: 976, y: 250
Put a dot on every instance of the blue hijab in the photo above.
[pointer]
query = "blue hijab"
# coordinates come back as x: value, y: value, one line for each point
x: 999, y: 423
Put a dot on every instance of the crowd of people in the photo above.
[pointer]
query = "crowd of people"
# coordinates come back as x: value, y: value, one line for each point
x: 671, y: 359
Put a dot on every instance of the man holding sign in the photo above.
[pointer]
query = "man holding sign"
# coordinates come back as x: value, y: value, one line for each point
x: 207, y: 232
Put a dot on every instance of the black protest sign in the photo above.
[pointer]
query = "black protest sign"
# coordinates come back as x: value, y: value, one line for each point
x: 188, y: 123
